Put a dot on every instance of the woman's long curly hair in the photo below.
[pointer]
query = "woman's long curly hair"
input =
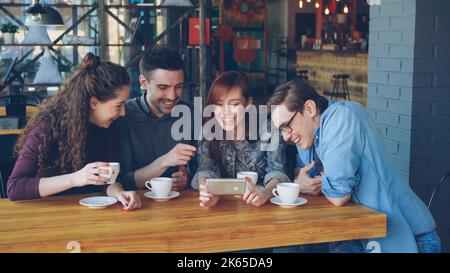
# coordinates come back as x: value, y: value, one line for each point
x: 67, y: 113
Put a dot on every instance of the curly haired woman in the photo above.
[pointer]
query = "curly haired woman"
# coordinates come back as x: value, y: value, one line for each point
x: 67, y: 141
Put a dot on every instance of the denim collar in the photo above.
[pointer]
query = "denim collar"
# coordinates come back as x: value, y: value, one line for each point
x: 322, y: 118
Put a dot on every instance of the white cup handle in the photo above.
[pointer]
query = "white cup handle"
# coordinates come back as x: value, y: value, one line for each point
x: 148, y: 185
x: 111, y: 174
x: 275, y: 193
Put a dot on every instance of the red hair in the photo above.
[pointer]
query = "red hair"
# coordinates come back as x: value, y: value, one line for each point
x: 220, y: 88
x: 227, y: 81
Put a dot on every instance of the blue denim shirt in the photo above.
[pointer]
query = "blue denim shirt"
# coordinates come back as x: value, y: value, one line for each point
x: 356, y: 162
x: 241, y: 156
x: 305, y: 157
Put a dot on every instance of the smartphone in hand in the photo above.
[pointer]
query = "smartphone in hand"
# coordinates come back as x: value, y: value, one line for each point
x: 225, y: 186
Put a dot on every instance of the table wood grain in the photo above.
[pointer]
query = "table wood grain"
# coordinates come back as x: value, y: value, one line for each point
x: 179, y: 225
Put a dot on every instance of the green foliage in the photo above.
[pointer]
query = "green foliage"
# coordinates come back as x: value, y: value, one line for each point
x: 9, y: 28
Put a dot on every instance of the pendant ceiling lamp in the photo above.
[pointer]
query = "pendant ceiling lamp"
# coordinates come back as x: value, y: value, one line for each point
x: 42, y: 15
x: 48, y: 72
x: 37, y: 35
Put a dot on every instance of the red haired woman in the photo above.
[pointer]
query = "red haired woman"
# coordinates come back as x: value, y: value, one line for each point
x: 230, y: 97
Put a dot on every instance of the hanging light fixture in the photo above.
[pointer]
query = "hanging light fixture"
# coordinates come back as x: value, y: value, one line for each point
x: 36, y: 10
x: 345, y: 9
x: 37, y: 35
x: 327, y: 11
x: 42, y: 15
x: 48, y: 72
x: 309, y: 1
x: 317, y: 5
x: 300, y: 4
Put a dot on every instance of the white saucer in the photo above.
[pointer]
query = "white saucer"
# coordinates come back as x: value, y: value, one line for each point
x: 98, y: 202
x: 151, y: 194
x: 298, y: 202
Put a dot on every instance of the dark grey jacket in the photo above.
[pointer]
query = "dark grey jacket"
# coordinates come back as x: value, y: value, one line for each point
x: 142, y: 138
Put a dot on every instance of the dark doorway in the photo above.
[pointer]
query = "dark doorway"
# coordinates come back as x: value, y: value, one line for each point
x: 305, y: 24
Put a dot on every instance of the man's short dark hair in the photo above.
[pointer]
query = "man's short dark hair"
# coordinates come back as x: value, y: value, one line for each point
x: 294, y: 94
x: 159, y: 56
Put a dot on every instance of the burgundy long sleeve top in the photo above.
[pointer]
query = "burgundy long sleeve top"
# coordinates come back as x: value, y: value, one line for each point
x: 24, y: 180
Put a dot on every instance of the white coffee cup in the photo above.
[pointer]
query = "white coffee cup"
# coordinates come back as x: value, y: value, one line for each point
x: 113, y: 171
x: 161, y: 186
x: 253, y: 176
x: 287, y: 192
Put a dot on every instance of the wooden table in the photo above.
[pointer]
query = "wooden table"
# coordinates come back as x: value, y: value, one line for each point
x: 179, y: 225
x: 12, y: 132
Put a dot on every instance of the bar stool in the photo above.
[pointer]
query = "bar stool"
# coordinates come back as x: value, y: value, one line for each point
x: 302, y: 74
x: 436, y: 190
x: 339, y: 80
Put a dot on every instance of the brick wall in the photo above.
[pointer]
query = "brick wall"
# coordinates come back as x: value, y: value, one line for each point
x: 409, y: 93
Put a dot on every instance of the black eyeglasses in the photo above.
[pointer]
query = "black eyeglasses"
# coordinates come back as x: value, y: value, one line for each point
x: 286, y: 128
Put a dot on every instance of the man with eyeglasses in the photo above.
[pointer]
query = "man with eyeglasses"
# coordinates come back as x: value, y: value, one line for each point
x: 308, y: 168
x: 356, y: 166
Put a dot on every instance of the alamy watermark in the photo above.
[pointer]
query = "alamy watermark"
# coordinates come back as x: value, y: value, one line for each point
x: 373, y: 247
x: 73, y: 246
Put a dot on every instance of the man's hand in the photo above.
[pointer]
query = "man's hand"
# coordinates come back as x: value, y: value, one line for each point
x: 309, y: 185
x: 181, y: 154
x: 179, y: 179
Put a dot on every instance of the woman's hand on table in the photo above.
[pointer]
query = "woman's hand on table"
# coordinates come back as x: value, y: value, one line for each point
x: 129, y: 199
x: 254, y: 195
x: 206, y: 199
